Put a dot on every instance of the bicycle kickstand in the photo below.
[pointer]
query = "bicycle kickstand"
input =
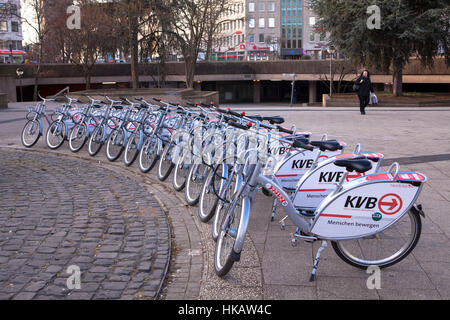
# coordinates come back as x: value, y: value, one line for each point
x: 274, y: 208
x: 316, y: 261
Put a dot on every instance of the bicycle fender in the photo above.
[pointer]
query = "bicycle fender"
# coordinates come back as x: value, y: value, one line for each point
x: 243, y: 224
x: 366, y: 206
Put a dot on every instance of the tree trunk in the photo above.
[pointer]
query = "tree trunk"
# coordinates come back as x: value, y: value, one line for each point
x: 133, y: 44
x: 398, y: 78
x: 190, y: 63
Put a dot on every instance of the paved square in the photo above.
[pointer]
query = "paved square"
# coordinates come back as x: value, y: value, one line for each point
x: 270, y: 268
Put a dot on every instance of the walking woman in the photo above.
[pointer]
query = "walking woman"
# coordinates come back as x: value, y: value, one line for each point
x: 365, y: 88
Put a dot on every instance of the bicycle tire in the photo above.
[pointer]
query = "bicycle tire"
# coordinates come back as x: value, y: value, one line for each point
x: 180, y: 175
x: 193, y: 186
x: 36, y: 139
x: 223, y: 259
x: 127, y: 160
x: 110, y: 155
x: 150, y: 144
x: 93, y: 150
x: 166, y: 159
x: 208, y: 199
x: 50, y: 131
x: 84, y: 137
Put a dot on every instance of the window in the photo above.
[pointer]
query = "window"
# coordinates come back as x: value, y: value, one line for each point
x: 261, y: 37
x: 14, y: 26
x: 312, y: 21
x: 261, y: 22
x: 251, y: 38
x: 271, y: 22
x: 251, y: 23
x: 251, y: 7
x: 272, y: 6
x: 3, y: 26
x: 311, y: 36
x: 261, y: 6
x: 13, y: 9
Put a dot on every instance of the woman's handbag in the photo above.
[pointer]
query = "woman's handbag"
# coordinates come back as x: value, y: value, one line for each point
x: 373, y: 99
x: 356, y: 86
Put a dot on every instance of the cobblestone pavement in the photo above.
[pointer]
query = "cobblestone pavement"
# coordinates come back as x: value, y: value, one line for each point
x: 55, y: 213
x: 270, y: 268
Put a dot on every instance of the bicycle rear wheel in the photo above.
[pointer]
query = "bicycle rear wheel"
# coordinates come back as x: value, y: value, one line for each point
x: 385, y: 248
x: 31, y: 133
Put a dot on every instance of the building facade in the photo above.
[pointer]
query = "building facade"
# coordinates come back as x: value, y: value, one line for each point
x: 11, y: 50
x: 258, y: 30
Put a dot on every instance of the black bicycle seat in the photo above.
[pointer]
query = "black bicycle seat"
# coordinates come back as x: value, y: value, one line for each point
x: 274, y: 120
x: 118, y: 107
x: 330, y: 145
x: 302, y: 143
x: 359, y: 164
x: 256, y: 117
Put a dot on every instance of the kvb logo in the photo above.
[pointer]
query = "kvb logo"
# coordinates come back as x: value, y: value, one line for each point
x: 388, y: 204
x: 358, y: 202
x: 302, y: 164
x: 278, y: 151
x: 330, y: 176
x: 277, y: 194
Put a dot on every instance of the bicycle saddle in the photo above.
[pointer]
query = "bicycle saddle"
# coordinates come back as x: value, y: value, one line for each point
x: 118, y: 107
x: 302, y: 143
x: 256, y: 117
x: 359, y: 164
x: 274, y: 120
x: 330, y: 145
x: 97, y: 106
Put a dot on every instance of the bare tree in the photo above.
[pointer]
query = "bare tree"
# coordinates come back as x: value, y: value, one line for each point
x: 83, y: 46
x: 36, y: 22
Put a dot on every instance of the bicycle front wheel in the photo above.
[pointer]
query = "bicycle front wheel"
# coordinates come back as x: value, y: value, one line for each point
x: 165, y: 162
x: 131, y: 149
x: 56, y: 134
x: 194, y: 183
x: 115, y: 145
x: 208, y: 198
x: 148, y: 154
x: 96, y: 141
x: 78, y: 137
x: 225, y: 255
x: 31, y: 133
x: 382, y: 249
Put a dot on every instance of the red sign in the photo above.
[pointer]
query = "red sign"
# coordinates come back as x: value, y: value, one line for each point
x: 390, y: 204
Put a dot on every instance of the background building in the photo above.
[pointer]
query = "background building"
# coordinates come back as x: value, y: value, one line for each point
x: 11, y: 50
x: 258, y: 30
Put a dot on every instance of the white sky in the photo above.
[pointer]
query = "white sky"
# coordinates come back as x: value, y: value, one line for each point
x: 28, y: 33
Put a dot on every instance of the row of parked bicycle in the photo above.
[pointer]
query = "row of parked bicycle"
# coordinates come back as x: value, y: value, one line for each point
x: 221, y: 159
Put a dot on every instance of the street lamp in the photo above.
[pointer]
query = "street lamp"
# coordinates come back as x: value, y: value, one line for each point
x: 293, y: 75
x: 20, y: 72
x: 331, y: 50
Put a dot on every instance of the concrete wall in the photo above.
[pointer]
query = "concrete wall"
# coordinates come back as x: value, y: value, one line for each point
x: 222, y: 71
x: 8, y: 87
